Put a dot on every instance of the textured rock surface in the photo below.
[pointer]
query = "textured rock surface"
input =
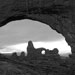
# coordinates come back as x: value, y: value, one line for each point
x: 58, y: 14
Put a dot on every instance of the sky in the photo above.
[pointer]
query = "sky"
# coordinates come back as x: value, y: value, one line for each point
x: 16, y: 34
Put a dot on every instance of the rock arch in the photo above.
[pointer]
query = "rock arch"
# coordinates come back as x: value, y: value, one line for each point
x: 59, y: 16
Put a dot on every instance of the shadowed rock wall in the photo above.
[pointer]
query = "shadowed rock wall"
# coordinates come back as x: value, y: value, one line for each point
x: 58, y: 14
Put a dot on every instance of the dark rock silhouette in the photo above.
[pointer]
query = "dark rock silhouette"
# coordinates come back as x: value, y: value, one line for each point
x: 30, y: 49
x: 39, y: 50
x: 30, y: 44
x: 35, y: 53
x: 55, y: 51
x: 14, y: 56
x: 22, y: 56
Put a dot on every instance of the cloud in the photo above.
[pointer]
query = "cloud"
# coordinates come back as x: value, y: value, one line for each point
x: 23, y: 31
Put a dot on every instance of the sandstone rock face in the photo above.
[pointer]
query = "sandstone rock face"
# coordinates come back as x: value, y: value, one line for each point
x: 59, y: 15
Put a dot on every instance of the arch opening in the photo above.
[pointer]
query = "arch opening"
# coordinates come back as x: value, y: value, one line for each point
x: 44, y: 37
x: 43, y: 52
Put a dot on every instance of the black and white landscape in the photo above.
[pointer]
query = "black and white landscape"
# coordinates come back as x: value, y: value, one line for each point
x: 37, y: 37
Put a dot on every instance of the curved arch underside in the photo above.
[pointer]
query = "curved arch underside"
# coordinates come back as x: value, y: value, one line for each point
x: 59, y: 16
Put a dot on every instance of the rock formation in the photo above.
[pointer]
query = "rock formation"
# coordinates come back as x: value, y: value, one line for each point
x: 35, y: 53
x: 55, y: 50
x: 22, y: 56
x: 30, y: 49
x: 14, y: 56
x: 30, y: 45
x: 59, y: 15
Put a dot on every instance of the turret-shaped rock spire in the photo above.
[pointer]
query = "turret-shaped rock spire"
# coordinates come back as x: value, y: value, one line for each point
x: 30, y: 48
x: 30, y: 45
